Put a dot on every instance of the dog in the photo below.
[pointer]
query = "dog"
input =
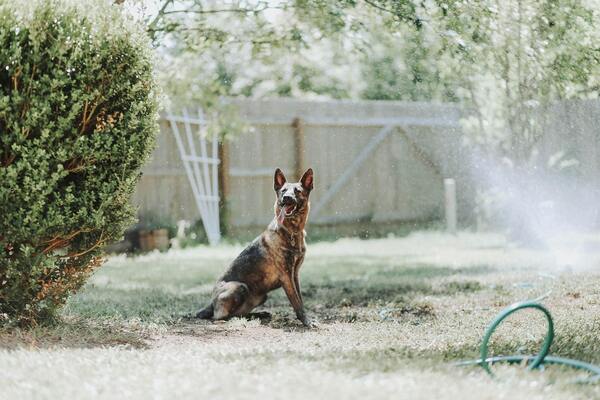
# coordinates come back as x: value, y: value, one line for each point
x: 271, y: 261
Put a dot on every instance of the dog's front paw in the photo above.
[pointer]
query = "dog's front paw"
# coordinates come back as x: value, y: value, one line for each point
x: 310, y: 323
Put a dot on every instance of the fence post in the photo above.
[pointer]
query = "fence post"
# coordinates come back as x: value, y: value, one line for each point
x: 299, y: 165
x: 450, y: 203
x: 224, y: 185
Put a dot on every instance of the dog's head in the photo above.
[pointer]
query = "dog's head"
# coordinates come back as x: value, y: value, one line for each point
x: 292, y: 198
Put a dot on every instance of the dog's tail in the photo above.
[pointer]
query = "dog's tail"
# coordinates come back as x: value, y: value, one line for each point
x: 206, y: 313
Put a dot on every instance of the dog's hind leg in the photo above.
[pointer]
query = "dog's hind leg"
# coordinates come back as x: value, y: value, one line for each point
x: 230, y: 300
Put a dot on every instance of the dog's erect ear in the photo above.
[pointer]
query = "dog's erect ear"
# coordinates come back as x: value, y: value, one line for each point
x: 278, y: 180
x: 307, y: 180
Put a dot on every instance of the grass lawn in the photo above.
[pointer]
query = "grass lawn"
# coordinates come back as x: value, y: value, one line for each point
x: 394, y: 315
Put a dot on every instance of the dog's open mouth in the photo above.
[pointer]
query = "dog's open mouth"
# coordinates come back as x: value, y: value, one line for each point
x: 289, y: 209
x: 285, y: 211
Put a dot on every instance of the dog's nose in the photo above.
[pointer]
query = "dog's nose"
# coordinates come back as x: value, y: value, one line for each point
x: 288, y: 200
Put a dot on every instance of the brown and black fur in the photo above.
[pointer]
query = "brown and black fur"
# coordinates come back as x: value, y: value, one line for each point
x: 271, y: 261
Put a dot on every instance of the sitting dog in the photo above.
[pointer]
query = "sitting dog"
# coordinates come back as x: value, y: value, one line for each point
x: 271, y: 261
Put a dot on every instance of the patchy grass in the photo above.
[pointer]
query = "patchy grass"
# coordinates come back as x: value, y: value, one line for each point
x: 74, y: 332
x: 394, y: 314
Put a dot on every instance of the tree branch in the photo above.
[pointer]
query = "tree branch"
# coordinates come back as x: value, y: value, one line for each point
x: 161, y: 12
x: 373, y: 4
x: 153, y: 27
x: 405, y: 17
x: 224, y: 10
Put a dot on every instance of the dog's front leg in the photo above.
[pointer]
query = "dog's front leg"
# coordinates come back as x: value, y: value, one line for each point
x: 295, y: 274
x: 296, y: 301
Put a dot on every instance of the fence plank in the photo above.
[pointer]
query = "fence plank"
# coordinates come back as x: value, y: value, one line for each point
x: 351, y: 170
x: 300, y: 165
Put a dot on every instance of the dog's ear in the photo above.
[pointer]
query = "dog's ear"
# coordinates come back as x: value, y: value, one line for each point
x: 278, y: 180
x: 307, y: 180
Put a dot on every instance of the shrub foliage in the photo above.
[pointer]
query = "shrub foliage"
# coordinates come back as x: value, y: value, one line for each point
x: 78, y: 112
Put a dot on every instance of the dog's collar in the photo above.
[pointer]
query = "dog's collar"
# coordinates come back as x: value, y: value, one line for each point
x: 294, y: 238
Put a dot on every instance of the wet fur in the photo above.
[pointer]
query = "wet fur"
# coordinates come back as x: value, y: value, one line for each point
x: 271, y: 261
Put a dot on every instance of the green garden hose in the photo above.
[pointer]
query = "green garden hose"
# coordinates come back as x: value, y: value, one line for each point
x: 532, y: 362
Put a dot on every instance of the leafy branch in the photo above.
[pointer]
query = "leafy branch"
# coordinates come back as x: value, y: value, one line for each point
x: 160, y: 24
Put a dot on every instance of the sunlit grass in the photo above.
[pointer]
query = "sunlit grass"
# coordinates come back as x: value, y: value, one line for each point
x: 394, y: 309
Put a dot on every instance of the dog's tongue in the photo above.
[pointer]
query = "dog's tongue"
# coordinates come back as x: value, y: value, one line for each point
x: 281, y: 216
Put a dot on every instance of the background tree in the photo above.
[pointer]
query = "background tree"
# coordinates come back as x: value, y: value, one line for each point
x: 506, y: 60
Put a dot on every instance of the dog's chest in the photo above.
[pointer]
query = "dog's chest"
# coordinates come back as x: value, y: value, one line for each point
x: 286, y: 252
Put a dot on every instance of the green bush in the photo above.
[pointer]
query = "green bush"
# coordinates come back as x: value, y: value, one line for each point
x: 78, y: 109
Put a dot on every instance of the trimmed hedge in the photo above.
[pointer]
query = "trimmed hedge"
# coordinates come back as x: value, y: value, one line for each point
x: 78, y: 118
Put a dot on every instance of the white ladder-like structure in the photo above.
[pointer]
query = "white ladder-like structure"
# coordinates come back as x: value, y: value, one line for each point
x: 201, y: 170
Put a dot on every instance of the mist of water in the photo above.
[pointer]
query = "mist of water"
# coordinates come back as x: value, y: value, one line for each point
x: 553, y: 210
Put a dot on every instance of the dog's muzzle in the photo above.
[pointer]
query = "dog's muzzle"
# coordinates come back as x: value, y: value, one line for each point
x: 288, y: 205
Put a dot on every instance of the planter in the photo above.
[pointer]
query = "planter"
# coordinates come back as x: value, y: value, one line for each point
x: 154, y: 239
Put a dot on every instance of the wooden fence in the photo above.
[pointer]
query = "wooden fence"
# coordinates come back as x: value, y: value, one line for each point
x: 374, y: 162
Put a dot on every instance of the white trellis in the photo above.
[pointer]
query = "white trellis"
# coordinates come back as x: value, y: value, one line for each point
x: 201, y: 169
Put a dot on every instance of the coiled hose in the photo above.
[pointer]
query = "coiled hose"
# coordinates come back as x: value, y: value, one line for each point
x: 532, y: 362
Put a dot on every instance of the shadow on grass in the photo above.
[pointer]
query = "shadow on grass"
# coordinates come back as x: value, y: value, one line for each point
x: 330, y: 298
x: 71, y: 333
x: 146, y: 305
x: 342, y: 293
